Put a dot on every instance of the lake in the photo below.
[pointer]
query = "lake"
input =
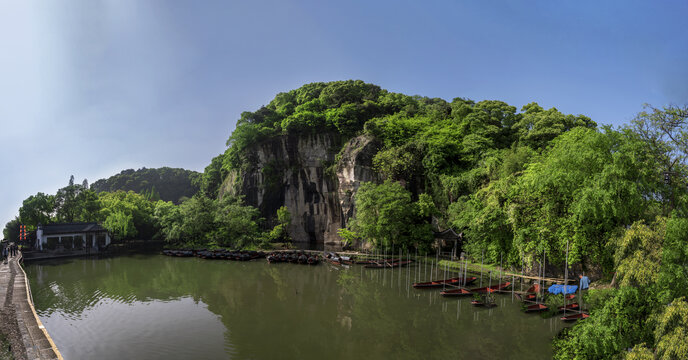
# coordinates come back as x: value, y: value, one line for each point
x: 159, y: 307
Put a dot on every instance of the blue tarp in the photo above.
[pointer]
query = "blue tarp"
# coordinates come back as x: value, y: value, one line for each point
x: 559, y: 289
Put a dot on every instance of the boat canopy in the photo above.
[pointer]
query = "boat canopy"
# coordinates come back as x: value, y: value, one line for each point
x: 561, y: 289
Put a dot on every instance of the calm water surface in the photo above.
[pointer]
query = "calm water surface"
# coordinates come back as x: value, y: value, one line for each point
x: 158, y: 307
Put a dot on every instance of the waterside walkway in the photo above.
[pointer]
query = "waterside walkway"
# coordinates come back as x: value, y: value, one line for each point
x: 18, y: 320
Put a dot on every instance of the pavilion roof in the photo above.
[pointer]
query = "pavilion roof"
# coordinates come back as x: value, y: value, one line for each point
x: 72, y: 228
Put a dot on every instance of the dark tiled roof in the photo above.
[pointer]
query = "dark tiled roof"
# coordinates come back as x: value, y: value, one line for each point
x: 449, y: 233
x: 72, y: 228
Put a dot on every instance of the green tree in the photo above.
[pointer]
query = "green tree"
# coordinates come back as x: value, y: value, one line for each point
x: 169, y: 218
x: 672, y: 331
x: 280, y: 233
x: 537, y: 126
x: 665, y: 134
x: 237, y: 225
x: 639, y: 253
x: 66, y: 204
x: 120, y: 224
x: 583, y: 190
x: 37, y: 209
x: 122, y: 207
x: 11, y: 230
x: 386, y: 215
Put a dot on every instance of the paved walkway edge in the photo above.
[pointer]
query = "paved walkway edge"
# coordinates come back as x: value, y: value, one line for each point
x: 29, y: 299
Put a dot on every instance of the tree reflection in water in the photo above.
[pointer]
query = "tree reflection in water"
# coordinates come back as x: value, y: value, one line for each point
x: 284, y: 310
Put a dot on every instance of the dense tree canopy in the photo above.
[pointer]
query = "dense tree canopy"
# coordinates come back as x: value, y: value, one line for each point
x: 164, y: 183
x: 386, y: 215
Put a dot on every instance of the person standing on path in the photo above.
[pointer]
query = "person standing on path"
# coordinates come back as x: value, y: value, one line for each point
x: 584, y: 282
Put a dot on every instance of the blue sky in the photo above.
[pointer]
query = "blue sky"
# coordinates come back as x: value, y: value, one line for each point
x: 93, y: 87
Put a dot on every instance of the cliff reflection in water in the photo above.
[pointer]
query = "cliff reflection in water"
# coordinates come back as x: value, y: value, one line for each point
x: 163, y: 307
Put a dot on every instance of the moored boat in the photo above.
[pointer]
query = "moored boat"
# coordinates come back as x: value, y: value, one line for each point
x: 571, y: 306
x: 493, y: 288
x: 313, y: 260
x: 456, y: 292
x: 482, y: 303
x: 536, y: 308
x: 574, y: 317
x: 383, y: 265
x: 375, y: 261
x: 443, y: 282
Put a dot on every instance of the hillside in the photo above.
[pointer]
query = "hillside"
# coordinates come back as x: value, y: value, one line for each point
x: 311, y: 148
x: 168, y: 184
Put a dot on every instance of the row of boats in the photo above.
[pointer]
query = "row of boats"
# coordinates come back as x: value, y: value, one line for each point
x: 296, y: 257
x: 237, y: 255
x: 485, y: 298
x: 458, y: 285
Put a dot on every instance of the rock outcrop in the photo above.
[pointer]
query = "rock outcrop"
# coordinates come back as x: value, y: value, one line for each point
x: 300, y: 172
x: 355, y: 166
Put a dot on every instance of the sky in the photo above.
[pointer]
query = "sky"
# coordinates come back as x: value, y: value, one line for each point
x: 89, y: 88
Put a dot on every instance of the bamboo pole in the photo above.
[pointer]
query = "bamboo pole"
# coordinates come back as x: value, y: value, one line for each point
x: 481, y: 268
x: 566, y: 275
x: 444, y: 284
x: 465, y: 271
x: 544, y: 271
x: 401, y: 257
x: 425, y: 260
x: 501, y: 263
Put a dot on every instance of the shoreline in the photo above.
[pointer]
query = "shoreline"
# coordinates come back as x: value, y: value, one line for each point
x: 21, y: 325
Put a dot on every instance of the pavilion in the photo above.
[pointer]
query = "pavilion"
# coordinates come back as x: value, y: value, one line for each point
x: 71, y: 236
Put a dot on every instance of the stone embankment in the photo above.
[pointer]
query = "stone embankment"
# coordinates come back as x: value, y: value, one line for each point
x: 18, y: 319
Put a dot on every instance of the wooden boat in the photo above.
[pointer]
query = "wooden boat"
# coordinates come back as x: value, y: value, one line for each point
x: 536, y: 308
x: 388, y: 264
x: 256, y: 255
x: 533, y: 289
x: 482, y: 303
x: 376, y: 261
x: 530, y: 294
x: 442, y: 282
x: 456, y: 292
x: 492, y: 288
x: 486, y: 300
x: 571, y: 306
x: 180, y: 253
x: 339, y: 261
x: 574, y: 317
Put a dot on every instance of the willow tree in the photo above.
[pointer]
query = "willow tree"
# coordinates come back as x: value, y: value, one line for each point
x: 387, y: 216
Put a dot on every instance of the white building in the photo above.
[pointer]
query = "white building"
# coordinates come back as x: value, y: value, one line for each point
x: 71, y: 236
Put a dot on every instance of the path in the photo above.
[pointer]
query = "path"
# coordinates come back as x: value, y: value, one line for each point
x: 18, y: 319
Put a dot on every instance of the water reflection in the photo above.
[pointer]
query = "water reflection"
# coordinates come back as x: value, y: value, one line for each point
x: 172, y: 307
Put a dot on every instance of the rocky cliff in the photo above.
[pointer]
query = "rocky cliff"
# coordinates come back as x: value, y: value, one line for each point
x: 300, y: 172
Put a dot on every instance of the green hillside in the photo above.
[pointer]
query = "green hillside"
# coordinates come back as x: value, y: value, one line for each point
x: 168, y: 184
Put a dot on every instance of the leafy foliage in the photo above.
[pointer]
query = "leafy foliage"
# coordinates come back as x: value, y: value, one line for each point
x: 164, y: 183
x: 385, y: 215
x: 280, y: 233
x: 202, y: 221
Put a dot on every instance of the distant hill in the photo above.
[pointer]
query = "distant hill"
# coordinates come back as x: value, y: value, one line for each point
x: 168, y: 184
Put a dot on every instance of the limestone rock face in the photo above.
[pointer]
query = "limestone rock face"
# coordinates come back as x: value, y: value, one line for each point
x: 298, y: 171
x: 354, y: 167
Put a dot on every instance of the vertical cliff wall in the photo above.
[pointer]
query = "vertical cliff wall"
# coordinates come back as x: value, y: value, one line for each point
x: 299, y: 172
